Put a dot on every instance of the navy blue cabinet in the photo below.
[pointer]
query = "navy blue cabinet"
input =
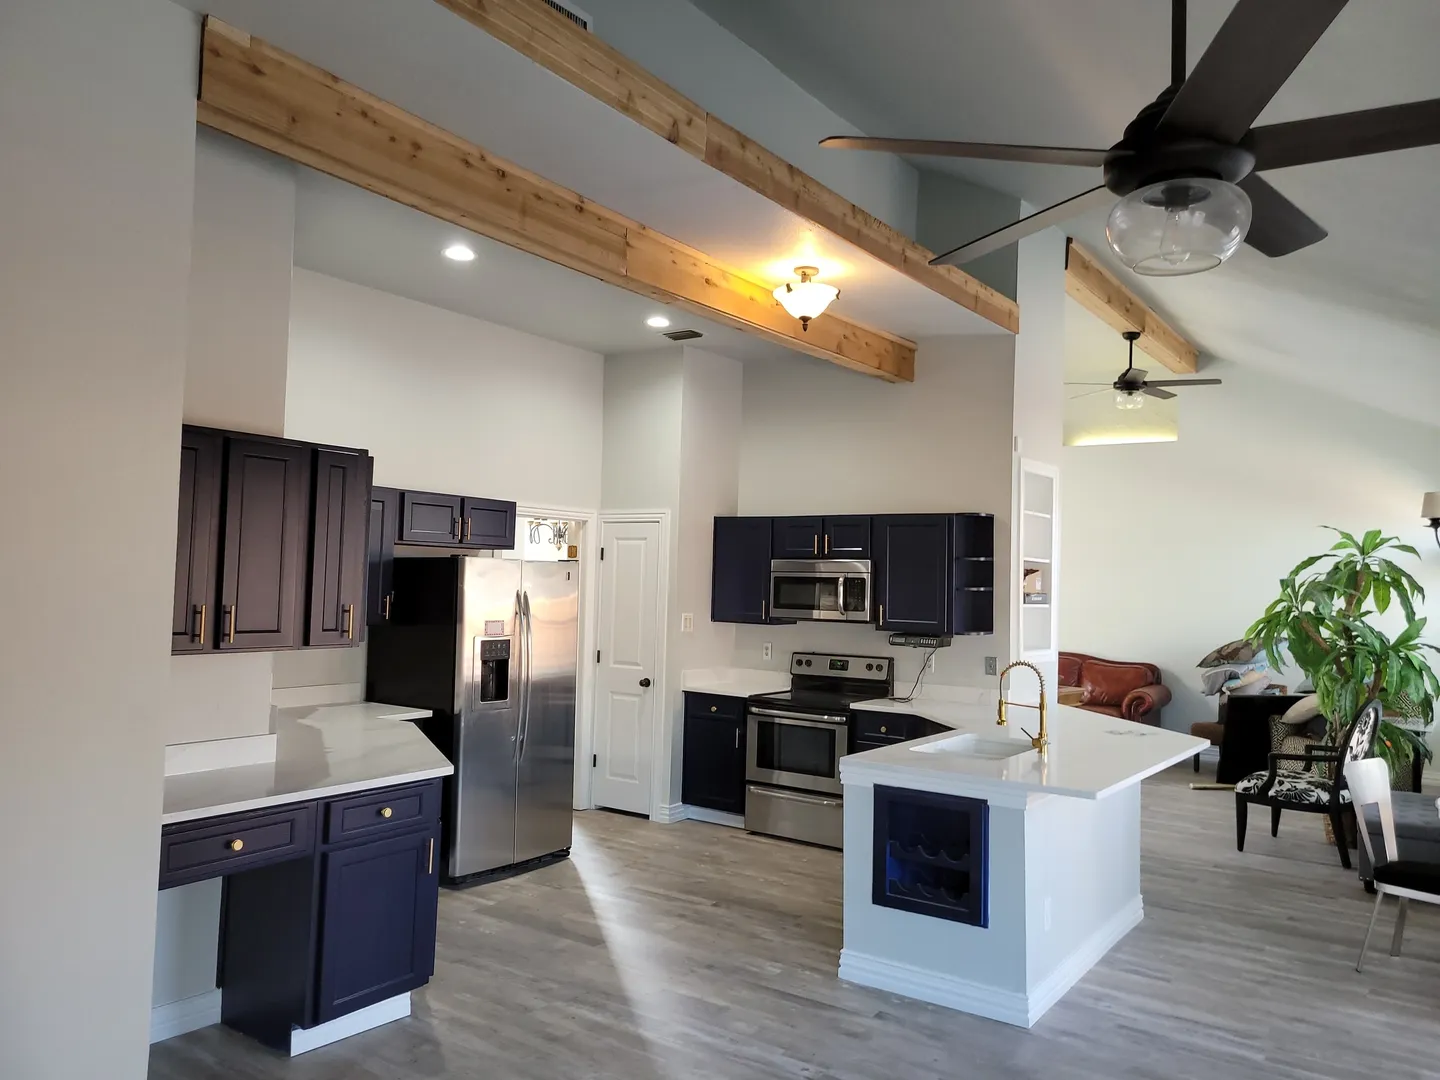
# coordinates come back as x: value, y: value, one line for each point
x: 338, y: 535
x: 846, y: 537
x: 377, y: 922
x: 796, y: 537
x: 912, y: 572
x: 384, y: 526
x: 487, y: 523
x: 713, y: 768
x: 197, y: 541
x: 740, y: 573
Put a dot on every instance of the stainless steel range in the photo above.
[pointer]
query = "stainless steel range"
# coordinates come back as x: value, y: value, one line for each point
x: 796, y: 738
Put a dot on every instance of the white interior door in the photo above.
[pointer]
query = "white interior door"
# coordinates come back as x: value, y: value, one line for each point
x: 626, y: 691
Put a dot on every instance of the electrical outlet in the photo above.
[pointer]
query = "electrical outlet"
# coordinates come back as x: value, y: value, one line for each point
x: 930, y: 664
x: 766, y: 651
x: 991, y: 666
x: 687, y: 623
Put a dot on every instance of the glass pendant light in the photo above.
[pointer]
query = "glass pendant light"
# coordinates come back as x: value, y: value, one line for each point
x: 806, y: 298
x: 1179, y: 226
x: 1129, y: 399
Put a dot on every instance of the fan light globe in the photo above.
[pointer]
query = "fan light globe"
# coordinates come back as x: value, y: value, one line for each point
x: 806, y: 298
x: 1179, y: 226
x: 1129, y: 399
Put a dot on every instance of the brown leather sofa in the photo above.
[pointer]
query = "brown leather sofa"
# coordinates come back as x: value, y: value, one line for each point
x: 1131, y: 691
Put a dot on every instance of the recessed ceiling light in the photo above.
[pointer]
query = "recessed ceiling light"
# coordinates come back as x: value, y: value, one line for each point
x: 659, y: 322
x: 460, y: 253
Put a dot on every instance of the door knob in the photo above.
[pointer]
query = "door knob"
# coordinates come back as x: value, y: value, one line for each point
x: 644, y: 682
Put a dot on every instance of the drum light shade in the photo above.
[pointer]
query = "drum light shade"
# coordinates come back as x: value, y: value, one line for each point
x: 1179, y: 226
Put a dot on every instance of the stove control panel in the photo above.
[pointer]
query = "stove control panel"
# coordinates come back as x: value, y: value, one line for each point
x: 840, y: 666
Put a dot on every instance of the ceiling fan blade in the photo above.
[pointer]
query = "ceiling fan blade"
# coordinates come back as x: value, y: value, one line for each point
x: 1183, y: 382
x: 1088, y: 393
x: 1038, y: 155
x: 1089, y: 384
x: 1132, y: 377
x: 1256, y: 50
x: 1041, y: 219
x: 1345, y: 135
x: 1151, y: 391
x: 1278, y: 226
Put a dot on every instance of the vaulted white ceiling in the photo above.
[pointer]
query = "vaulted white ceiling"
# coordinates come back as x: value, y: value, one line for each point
x: 1358, y: 314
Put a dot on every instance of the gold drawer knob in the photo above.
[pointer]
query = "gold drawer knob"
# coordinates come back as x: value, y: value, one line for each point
x: 882, y: 729
x: 386, y: 812
x: 714, y: 708
x: 236, y: 845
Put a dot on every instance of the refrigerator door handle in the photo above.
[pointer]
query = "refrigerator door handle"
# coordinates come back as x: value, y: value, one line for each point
x: 522, y: 681
x: 528, y: 651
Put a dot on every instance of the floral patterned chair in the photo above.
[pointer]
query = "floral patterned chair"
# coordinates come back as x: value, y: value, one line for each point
x: 1318, y: 787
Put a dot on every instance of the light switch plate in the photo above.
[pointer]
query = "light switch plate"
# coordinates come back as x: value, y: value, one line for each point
x: 687, y: 623
x: 990, y: 666
x: 766, y: 651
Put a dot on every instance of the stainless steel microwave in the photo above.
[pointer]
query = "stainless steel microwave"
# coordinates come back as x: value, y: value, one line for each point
x: 823, y: 590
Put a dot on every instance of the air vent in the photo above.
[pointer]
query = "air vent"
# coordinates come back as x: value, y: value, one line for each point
x: 683, y: 335
x: 574, y: 14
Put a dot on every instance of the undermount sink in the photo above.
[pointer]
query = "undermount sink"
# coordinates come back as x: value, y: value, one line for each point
x: 972, y: 745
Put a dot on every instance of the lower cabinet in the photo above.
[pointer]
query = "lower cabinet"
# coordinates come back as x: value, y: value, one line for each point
x: 377, y: 922
x: 713, y: 768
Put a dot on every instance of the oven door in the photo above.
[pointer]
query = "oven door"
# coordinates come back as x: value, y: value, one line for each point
x: 820, y: 591
x: 796, y: 750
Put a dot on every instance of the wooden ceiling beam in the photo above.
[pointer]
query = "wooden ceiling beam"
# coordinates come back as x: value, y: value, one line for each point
x: 265, y: 96
x: 537, y: 31
x: 1101, y: 293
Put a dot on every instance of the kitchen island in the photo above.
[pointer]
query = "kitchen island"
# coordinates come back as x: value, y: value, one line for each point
x: 984, y: 876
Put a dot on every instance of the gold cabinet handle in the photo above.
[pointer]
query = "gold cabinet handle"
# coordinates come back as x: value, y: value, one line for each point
x: 762, y: 610
x: 350, y: 621
x: 389, y: 599
x: 230, y: 634
x: 201, y: 612
x: 430, y: 857
x: 455, y: 527
x: 815, y: 545
x: 881, y: 621
x: 467, y: 530
x: 236, y: 845
x: 827, y: 543
x: 714, y: 708
x: 386, y: 812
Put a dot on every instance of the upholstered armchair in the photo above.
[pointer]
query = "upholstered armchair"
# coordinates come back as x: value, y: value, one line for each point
x: 1131, y: 691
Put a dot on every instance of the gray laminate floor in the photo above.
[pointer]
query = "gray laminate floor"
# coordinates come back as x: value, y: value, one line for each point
x: 695, y: 951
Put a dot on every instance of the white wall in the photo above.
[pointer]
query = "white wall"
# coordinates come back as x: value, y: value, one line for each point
x: 818, y: 440
x: 1174, y: 548
x: 97, y: 117
x: 687, y: 49
x: 951, y: 211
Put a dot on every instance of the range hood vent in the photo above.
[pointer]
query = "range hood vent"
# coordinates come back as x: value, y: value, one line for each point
x: 571, y: 12
x: 683, y: 335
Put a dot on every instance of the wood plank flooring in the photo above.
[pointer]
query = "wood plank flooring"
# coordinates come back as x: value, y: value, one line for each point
x: 692, y: 950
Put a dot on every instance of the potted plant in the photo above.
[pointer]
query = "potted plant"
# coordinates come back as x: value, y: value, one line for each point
x: 1324, y: 618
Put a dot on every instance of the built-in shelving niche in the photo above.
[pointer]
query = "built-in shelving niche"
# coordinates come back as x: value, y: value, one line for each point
x: 930, y: 854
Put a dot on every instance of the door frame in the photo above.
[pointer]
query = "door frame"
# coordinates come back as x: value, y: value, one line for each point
x: 659, y: 742
x: 589, y: 543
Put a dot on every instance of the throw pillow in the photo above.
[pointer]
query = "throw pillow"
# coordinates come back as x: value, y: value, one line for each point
x: 1307, y: 708
x: 1236, y: 652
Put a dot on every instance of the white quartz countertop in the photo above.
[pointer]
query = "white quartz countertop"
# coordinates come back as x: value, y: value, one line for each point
x: 1089, y: 756
x: 735, y: 682
x: 320, y: 751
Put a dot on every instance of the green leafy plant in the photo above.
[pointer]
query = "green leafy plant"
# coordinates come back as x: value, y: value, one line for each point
x: 1323, y: 619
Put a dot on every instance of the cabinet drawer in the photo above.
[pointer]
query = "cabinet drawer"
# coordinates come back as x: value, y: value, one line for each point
x: 883, y: 727
x: 376, y: 813
x: 730, y: 708
x: 194, y: 851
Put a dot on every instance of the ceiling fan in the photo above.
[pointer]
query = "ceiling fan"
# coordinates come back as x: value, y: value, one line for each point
x: 1132, y: 388
x: 1186, y: 168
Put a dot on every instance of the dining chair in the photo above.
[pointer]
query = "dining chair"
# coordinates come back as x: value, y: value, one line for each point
x: 1406, y: 880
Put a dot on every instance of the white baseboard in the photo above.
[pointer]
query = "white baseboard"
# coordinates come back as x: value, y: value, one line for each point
x: 982, y: 999
x: 187, y: 1014
x: 714, y: 817
x: 303, y: 1040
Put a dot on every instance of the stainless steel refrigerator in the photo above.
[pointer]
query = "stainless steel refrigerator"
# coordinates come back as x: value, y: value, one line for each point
x: 490, y: 645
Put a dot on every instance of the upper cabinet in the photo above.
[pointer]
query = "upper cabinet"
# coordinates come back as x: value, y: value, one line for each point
x: 740, y: 574
x: 270, y: 545
x: 197, y: 541
x: 338, y: 542
x: 912, y: 572
x: 487, y: 523
x: 846, y: 537
x: 380, y: 555
x: 796, y: 537
x: 426, y: 518
x: 262, y: 549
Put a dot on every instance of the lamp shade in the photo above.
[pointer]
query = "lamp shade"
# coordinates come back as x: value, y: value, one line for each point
x: 1129, y: 399
x: 1179, y: 226
x: 1430, y: 506
x: 806, y: 298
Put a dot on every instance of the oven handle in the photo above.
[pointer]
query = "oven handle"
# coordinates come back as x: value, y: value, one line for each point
x: 829, y: 721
